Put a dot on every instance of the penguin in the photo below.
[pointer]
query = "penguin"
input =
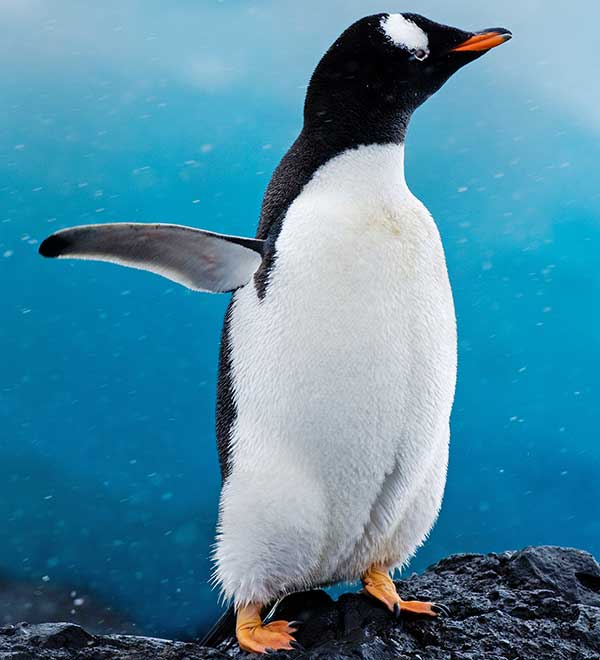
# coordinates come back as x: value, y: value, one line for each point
x: 338, y: 357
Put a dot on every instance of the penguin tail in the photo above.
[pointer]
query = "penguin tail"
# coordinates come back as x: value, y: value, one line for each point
x: 223, y: 629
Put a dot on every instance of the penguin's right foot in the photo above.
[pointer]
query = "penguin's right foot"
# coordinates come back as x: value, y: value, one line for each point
x: 256, y: 637
x: 378, y: 583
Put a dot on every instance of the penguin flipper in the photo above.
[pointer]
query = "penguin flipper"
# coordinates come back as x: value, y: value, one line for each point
x: 199, y: 260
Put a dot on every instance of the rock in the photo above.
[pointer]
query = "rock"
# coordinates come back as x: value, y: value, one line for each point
x: 62, y: 641
x: 537, y: 604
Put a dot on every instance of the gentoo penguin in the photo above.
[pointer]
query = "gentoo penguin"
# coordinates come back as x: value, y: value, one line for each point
x: 338, y: 354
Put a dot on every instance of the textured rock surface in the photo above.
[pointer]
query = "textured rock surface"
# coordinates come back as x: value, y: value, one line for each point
x: 536, y: 604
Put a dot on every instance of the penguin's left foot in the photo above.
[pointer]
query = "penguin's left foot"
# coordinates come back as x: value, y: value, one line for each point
x: 256, y: 637
x: 378, y: 583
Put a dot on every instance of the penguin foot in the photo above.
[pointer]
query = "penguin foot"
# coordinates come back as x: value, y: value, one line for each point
x: 420, y: 607
x: 256, y: 637
x: 378, y: 583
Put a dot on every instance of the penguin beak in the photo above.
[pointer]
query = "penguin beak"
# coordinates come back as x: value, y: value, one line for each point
x: 484, y: 40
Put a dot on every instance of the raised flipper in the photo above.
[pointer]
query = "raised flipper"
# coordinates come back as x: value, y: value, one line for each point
x: 197, y: 259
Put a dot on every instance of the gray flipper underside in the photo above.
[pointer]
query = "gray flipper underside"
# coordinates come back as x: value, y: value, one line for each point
x: 197, y: 259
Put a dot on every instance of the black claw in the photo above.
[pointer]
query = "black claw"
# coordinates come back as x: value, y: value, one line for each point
x: 297, y: 646
x: 440, y: 609
x: 295, y: 624
x: 397, y: 610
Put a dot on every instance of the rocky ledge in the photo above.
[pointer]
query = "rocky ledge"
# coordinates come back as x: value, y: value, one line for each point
x: 536, y: 604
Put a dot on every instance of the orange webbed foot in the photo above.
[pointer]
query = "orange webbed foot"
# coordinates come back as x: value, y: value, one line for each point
x: 420, y: 607
x: 378, y: 583
x: 256, y: 637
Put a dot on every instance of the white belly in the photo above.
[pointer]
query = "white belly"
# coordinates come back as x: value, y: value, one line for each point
x: 344, y: 379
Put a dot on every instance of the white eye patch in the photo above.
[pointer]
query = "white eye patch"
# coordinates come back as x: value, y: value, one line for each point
x: 405, y: 34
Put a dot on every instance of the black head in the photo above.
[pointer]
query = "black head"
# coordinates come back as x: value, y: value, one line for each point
x: 381, y: 69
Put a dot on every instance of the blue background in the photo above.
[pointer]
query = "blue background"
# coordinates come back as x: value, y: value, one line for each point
x: 178, y: 112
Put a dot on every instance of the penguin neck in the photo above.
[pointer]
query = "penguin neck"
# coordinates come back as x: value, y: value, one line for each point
x: 333, y: 135
x: 318, y: 143
x: 373, y: 172
x: 375, y: 157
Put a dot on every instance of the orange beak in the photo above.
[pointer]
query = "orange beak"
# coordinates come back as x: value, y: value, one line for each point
x: 483, y: 41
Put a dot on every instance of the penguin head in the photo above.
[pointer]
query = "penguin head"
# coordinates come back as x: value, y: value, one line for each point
x: 385, y: 66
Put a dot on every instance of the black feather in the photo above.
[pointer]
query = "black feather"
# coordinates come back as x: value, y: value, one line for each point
x: 223, y: 629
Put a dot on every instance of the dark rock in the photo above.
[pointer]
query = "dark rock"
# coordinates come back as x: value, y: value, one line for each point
x: 536, y: 604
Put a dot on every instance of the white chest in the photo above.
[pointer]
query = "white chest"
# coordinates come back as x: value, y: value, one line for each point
x: 357, y: 327
x: 344, y: 373
x: 353, y: 349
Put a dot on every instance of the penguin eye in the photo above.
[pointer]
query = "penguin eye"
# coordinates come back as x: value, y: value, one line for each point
x: 419, y: 54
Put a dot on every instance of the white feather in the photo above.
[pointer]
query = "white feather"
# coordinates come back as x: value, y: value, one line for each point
x: 344, y: 379
x: 404, y: 32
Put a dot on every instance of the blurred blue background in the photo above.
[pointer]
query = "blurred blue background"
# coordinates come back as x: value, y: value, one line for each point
x: 178, y: 112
